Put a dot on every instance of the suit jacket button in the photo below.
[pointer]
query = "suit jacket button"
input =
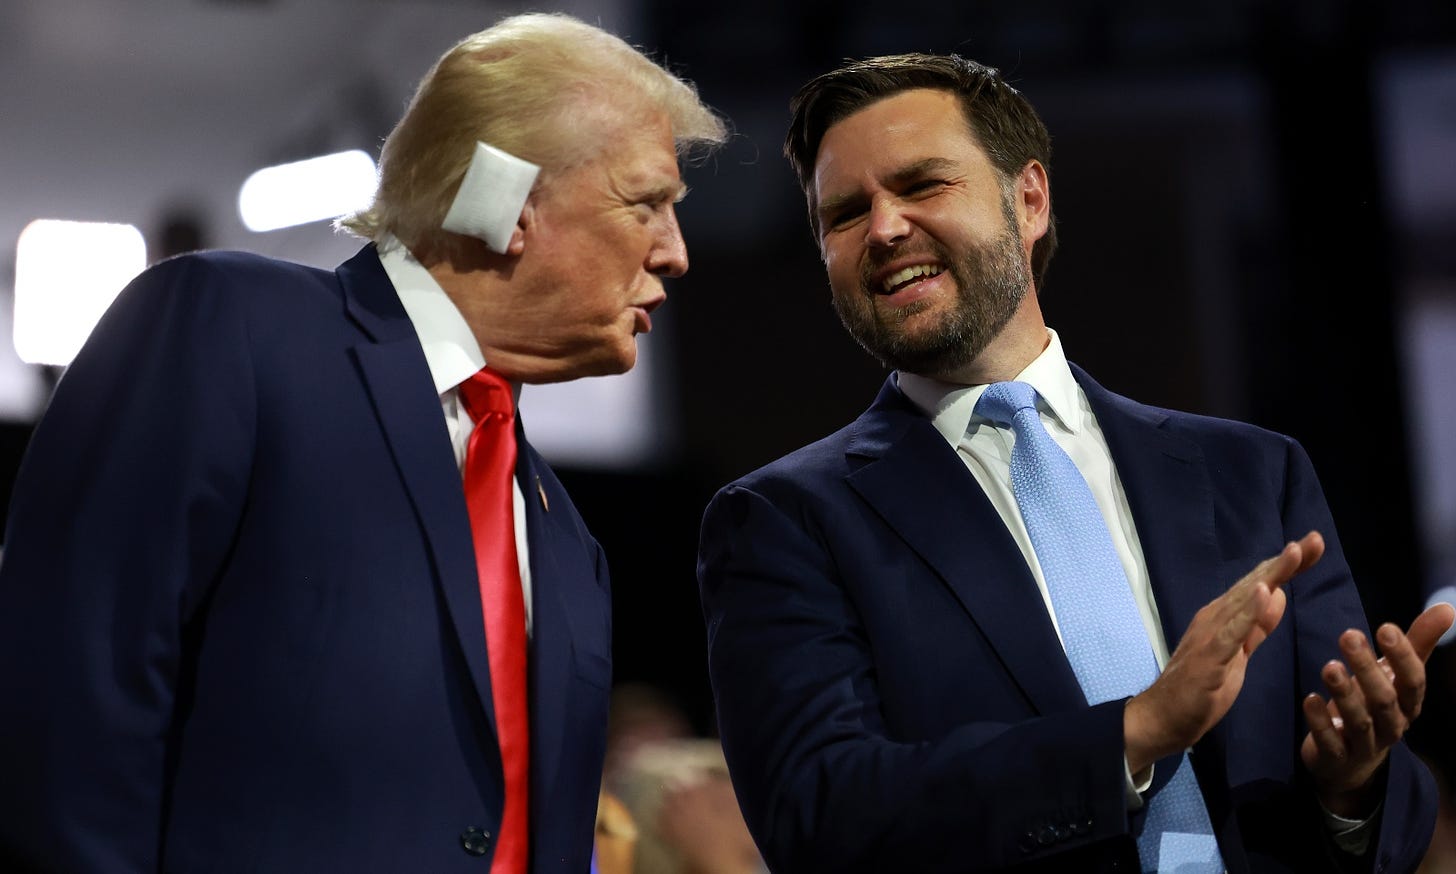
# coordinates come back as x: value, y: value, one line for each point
x: 1027, y: 842
x: 1081, y: 826
x: 1047, y: 836
x: 476, y: 841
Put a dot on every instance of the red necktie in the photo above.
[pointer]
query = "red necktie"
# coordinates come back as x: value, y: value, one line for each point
x: 490, y: 465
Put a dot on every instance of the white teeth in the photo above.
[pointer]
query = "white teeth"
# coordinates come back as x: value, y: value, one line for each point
x: 909, y: 273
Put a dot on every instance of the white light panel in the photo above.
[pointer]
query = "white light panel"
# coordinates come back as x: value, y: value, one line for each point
x: 319, y: 188
x: 66, y: 275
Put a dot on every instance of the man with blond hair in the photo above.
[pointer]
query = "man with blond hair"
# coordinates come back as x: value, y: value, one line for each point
x: 285, y: 588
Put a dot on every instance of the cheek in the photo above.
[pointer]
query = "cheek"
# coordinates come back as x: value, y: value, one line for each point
x: 843, y: 271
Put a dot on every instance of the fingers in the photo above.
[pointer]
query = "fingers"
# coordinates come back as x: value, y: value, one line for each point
x: 1404, y: 662
x: 1312, y: 549
x: 1235, y: 615
x: 1276, y: 570
x: 1249, y: 611
x: 1372, y: 696
x: 1324, y: 728
x: 1348, y: 713
x: 1426, y: 631
x: 1372, y: 701
x: 1405, y: 668
x: 1267, y: 621
x: 1296, y: 557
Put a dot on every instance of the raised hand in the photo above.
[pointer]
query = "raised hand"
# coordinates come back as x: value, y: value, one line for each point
x: 1206, y: 671
x: 1371, y: 704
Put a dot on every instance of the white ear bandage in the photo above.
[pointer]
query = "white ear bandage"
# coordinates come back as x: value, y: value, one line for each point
x: 491, y: 197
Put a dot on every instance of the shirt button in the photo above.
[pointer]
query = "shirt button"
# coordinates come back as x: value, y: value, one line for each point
x: 476, y: 841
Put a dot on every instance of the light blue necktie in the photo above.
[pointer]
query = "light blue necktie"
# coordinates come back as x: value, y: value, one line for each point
x: 1102, y: 631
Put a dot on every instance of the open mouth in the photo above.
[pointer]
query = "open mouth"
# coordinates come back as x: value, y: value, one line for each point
x: 905, y: 277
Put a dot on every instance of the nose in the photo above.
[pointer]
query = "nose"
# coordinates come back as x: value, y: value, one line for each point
x: 669, y: 253
x: 887, y: 223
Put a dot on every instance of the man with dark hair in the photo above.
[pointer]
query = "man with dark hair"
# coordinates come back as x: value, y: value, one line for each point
x: 285, y: 588
x: 1007, y: 618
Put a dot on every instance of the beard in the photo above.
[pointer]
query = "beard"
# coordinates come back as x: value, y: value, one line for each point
x: 991, y: 280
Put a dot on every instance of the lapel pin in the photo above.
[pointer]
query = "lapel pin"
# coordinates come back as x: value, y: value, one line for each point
x: 541, y: 490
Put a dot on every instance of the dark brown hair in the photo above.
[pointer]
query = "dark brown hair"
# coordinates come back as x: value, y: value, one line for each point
x: 999, y: 117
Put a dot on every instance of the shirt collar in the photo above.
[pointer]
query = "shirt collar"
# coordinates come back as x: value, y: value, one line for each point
x: 451, y: 350
x: 951, y: 408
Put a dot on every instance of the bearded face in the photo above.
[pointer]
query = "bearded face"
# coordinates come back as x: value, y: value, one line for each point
x: 922, y: 237
x: 990, y: 279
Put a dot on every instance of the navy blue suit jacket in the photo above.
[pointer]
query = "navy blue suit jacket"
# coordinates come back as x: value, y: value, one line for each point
x: 240, y: 627
x: 892, y: 695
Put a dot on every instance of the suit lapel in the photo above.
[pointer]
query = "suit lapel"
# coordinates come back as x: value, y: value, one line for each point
x: 398, y: 381
x: 917, y: 483
x: 554, y: 592
x: 1171, y: 497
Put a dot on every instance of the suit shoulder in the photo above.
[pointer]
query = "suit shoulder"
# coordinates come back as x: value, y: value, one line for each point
x: 1201, y: 428
x: 228, y: 268
x: 272, y: 295
x: 1196, y: 426
x: 1215, y: 428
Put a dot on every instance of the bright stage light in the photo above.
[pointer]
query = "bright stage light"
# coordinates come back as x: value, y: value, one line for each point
x: 307, y: 191
x: 66, y: 275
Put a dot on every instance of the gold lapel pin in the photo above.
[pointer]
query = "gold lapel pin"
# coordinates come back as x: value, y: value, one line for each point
x: 541, y: 490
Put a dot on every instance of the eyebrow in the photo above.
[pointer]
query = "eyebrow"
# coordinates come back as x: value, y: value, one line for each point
x: 922, y: 168
x: 908, y: 173
x: 673, y: 191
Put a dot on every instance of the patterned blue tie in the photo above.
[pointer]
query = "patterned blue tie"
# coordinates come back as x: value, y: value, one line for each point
x: 1102, y: 631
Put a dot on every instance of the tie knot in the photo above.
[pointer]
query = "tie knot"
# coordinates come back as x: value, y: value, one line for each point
x: 486, y: 392
x: 1001, y: 401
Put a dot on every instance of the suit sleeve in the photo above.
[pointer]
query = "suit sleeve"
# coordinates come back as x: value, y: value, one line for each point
x: 824, y: 784
x: 120, y: 522
x: 1325, y: 603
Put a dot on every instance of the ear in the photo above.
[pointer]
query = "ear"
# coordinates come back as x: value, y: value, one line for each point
x: 1033, y: 201
x: 524, y: 226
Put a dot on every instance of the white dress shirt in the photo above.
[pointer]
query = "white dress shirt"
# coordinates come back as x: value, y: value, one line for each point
x: 453, y: 356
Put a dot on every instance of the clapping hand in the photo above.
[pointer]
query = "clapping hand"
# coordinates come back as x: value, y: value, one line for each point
x: 1371, y: 703
x: 1206, y: 671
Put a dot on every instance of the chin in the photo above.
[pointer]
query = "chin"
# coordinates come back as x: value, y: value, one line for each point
x: 619, y: 360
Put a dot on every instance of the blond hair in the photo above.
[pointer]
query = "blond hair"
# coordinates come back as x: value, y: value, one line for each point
x: 524, y: 85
